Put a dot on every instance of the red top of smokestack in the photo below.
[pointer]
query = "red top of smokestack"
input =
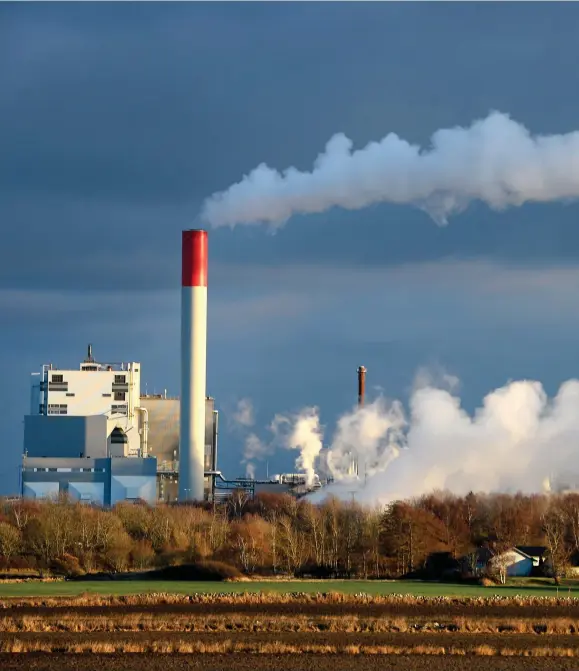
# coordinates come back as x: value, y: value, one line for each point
x: 194, y: 268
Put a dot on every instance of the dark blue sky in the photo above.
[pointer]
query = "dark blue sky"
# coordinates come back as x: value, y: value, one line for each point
x: 117, y: 120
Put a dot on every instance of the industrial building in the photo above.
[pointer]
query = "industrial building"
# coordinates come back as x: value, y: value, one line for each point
x: 93, y: 436
x: 86, y: 435
x: 163, y: 443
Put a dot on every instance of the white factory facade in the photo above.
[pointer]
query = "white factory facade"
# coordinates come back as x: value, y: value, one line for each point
x: 110, y: 391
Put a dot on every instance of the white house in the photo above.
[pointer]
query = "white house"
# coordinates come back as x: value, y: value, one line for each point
x: 513, y: 563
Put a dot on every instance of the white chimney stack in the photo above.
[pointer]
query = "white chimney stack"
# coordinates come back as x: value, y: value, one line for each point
x: 193, y: 365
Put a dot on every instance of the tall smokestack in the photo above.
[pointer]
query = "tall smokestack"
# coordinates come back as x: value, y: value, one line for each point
x: 193, y: 365
x: 361, y: 385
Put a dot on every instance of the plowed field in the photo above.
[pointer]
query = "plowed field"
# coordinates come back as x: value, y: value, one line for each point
x: 304, y: 662
x: 292, y: 633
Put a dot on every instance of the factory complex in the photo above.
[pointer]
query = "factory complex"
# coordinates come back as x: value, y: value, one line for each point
x: 93, y: 436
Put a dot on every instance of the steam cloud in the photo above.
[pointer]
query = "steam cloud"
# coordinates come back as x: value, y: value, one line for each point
x: 496, y: 160
x: 243, y: 419
x: 303, y: 433
x: 516, y: 441
x: 243, y: 415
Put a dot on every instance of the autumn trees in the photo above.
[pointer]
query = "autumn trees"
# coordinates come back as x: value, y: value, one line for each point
x: 273, y: 534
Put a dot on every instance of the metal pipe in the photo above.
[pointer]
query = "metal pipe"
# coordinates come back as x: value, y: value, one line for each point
x: 145, y: 431
x: 214, y: 455
x: 193, y: 365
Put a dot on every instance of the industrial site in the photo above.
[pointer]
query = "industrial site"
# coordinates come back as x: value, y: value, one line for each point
x: 93, y: 436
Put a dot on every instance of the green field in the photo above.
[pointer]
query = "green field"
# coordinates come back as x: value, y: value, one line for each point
x: 516, y: 587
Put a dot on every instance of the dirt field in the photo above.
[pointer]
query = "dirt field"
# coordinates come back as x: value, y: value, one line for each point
x: 424, y: 609
x: 255, y: 633
x: 54, y: 662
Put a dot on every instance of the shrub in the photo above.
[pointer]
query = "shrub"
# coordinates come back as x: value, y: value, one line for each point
x: 142, y: 554
x: 67, y: 565
x: 118, y: 550
x: 203, y: 571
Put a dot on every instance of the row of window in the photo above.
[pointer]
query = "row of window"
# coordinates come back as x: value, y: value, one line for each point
x: 59, y: 379
x: 57, y: 409
x: 119, y: 395
x: 62, y: 408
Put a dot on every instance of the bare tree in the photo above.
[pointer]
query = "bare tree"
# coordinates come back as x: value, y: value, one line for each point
x: 10, y: 541
x: 555, y: 529
x: 293, y: 545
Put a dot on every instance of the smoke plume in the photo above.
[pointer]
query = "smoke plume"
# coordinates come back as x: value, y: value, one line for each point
x: 303, y: 433
x: 243, y: 415
x: 517, y: 440
x: 495, y: 160
x: 254, y: 449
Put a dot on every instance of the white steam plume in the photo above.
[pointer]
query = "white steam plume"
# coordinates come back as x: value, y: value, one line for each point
x: 243, y: 415
x: 243, y: 419
x: 495, y: 160
x: 518, y: 440
x: 253, y: 449
x: 303, y: 433
x: 372, y: 435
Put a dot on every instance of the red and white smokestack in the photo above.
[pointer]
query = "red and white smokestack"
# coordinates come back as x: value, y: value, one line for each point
x: 193, y: 365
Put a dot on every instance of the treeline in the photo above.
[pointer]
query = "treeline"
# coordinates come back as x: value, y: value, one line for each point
x: 274, y: 534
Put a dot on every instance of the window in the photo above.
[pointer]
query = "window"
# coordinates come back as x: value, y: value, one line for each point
x: 107, y: 395
x: 119, y: 409
x: 57, y: 383
x: 120, y: 379
x: 70, y: 393
x: 119, y: 395
x: 57, y: 409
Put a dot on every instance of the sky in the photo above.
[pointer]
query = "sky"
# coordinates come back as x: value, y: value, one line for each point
x: 118, y: 120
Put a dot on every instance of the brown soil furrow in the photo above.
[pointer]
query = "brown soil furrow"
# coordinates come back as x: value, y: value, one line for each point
x: 242, y: 662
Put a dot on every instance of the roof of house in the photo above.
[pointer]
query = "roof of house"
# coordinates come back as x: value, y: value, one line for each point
x: 481, y: 555
x: 531, y: 550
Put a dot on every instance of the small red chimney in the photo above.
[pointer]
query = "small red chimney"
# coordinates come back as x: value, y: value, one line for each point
x: 361, y: 385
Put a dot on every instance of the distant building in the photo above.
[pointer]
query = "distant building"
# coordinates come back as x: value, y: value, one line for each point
x: 101, y: 481
x: 86, y: 435
x: 516, y: 562
x: 108, y: 391
x: 163, y: 442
